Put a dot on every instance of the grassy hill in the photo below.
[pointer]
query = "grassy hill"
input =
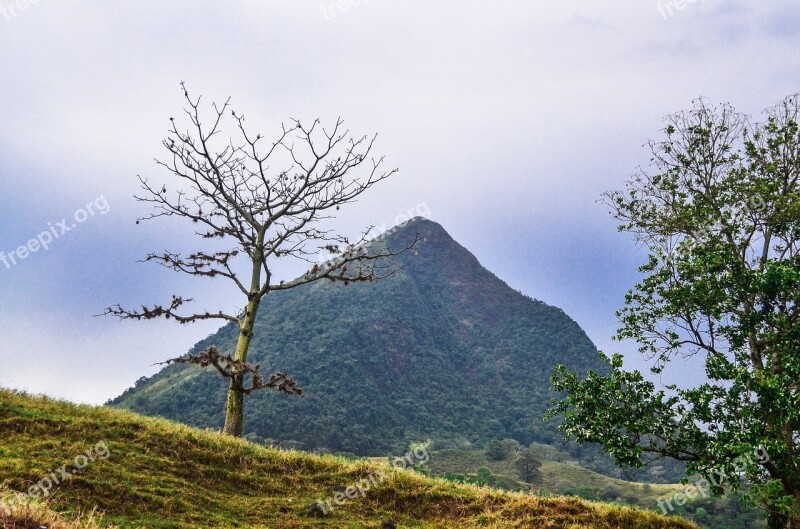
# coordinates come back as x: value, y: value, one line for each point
x: 144, y: 472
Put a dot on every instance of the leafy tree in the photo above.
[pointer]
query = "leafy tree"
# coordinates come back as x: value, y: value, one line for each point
x: 527, y: 464
x: 719, y: 215
x: 420, y: 447
x: 511, y: 446
x: 495, y: 450
x: 254, y: 201
x: 610, y: 492
x: 498, y: 450
x: 484, y: 476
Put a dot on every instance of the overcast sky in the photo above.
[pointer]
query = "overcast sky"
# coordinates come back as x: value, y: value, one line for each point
x: 507, y: 120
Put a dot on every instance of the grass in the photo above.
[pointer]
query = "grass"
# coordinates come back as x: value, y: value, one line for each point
x: 555, y: 475
x: 36, y: 515
x: 160, y: 474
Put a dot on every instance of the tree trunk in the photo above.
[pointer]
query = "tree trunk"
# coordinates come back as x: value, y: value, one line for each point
x: 234, y: 408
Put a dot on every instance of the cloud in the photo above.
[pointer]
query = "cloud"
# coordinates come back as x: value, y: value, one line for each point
x: 505, y: 118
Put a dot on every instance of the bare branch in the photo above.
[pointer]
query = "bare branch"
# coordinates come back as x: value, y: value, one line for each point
x: 167, y: 312
x: 236, y: 370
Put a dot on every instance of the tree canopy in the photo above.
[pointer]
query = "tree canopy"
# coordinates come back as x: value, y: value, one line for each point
x: 718, y: 212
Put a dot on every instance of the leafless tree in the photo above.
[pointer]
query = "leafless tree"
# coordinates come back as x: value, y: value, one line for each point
x: 230, y: 191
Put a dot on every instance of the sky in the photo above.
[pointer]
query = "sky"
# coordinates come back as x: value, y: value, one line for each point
x: 507, y: 120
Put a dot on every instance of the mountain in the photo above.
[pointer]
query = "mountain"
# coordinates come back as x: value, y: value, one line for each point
x: 146, y: 472
x: 443, y: 349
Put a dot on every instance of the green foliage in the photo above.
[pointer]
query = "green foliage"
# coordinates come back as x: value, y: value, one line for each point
x: 728, y: 512
x: 720, y: 219
x: 497, y: 450
x: 587, y: 493
x: 527, y: 464
x: 484, y: 476
x: 610, y: 492
x: 594, y: 407
x: 420, y: 446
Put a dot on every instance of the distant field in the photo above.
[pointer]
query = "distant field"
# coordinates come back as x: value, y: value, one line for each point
x: 555, y: 476
x: 559, y: 478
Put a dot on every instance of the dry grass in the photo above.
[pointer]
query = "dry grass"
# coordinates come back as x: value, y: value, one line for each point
x: 25, y: 515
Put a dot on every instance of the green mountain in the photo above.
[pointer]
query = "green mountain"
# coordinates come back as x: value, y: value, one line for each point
x: 443, y: 349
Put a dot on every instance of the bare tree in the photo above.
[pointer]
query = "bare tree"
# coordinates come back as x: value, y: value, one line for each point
x: 229, y: 190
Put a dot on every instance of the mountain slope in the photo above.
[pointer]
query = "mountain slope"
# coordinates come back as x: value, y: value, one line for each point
x: 442, y: 349
x: 158, y: 474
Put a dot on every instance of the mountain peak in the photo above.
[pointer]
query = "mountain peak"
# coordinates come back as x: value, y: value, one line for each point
x: 441, y: 349
x: 422, y: 225
x: 419, y: 219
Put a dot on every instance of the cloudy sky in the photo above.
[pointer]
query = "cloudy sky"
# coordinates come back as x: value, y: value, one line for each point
x: 507, y: 120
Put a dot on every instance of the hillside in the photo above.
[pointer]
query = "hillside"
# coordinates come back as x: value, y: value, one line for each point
x: 158, y: 474
x: 565, y: 477
x: 443, y: 349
